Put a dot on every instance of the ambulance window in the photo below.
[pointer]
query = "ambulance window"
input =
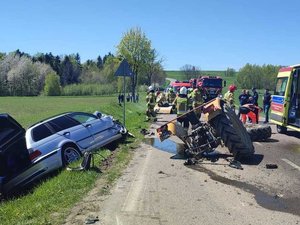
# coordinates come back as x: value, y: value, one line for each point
x: 281, y: 86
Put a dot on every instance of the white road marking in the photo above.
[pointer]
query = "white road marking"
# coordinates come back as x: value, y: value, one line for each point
x: 291, y: 164
x: 118, y: 221
x: 258, y: 143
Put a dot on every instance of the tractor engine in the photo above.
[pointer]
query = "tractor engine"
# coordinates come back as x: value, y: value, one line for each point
x: 202, y: 139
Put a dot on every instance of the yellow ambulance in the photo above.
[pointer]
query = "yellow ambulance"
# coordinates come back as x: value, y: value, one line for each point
x: 285, y: 106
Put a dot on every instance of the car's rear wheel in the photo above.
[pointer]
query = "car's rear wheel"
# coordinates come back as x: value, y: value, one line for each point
x: 70, y: 154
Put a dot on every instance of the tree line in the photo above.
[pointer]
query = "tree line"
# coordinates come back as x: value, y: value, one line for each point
x: 44, y: 73
x: 260, y: 77
x: 247, y: 77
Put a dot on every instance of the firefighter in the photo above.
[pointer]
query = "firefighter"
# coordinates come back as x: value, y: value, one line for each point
x: 197, y: 100
x: 229, y: 96
x: 171, y: 96
x: 181, y: 103
x: 161, y: 99
x: 151, y: 101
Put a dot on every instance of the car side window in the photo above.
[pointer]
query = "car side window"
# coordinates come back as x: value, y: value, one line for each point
x: 281, y: 86
x: 62, y: 123
x: 83, y: 117
x: 40, y: 132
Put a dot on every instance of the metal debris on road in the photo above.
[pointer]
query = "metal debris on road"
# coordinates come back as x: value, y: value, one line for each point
x: 236, y: 165
x: 91, y: 220
x: 271, y: 166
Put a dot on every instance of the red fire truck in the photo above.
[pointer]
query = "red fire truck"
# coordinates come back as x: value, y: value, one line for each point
x: 210, y: 86
x: 176, y: 85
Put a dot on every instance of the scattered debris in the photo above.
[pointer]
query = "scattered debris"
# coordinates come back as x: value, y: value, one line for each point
x: 271, y: 166
x: 161, y: 172
x: 91, y: 220
x: 88, y: 159
x: 131, y: 135
x: 278, y: 196
x: 190, y: 161
x: 236, y: 165
x: 144, y: 131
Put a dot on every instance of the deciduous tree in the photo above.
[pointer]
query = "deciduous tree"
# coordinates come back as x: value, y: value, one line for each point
x: 136, y: 48
x: 257, y: 76
x: 190, y: 71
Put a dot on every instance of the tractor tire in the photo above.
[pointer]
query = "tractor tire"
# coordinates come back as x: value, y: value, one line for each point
x: 259, y: 132
x: 281, y: 129
x: 233, y: 133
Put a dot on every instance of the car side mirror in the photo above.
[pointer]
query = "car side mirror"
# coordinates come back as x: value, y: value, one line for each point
x: 98, y: 114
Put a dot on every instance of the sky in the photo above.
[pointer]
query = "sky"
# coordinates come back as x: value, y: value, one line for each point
x: 208, y: 34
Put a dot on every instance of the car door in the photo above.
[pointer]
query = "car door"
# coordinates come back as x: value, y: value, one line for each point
x: 99, y: 127
x: 73, y: 130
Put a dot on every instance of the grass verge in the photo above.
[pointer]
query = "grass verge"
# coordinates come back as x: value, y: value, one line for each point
x: 50, y: 201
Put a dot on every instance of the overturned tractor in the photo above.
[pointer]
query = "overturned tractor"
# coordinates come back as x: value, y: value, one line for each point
x: 221, y: 126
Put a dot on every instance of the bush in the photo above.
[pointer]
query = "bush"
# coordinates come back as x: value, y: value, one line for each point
x: 52, y: 85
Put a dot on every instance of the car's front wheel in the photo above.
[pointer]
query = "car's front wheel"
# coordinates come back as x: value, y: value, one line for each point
x: 70, y: 154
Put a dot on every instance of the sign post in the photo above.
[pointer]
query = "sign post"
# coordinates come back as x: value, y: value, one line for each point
x: 124, y: 70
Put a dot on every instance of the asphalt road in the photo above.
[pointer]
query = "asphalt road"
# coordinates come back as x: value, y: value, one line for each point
x: 157, y: 188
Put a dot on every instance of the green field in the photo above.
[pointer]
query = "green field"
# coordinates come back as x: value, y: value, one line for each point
x: 51, y: 200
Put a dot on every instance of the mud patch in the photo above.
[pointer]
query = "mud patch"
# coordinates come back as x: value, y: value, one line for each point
x: 268, y: 201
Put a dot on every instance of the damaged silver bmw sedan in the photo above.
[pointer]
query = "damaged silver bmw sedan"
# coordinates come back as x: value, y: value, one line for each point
x: 50, y: 144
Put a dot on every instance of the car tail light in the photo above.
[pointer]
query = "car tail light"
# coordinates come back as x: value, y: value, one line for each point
x: 33, y: 155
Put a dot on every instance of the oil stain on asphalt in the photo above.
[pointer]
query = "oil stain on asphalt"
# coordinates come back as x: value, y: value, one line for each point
x: 271, y: 202
x: 266, y: 200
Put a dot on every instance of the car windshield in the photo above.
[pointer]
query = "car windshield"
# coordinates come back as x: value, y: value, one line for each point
x: 212, y: 83
x: 83, y: 117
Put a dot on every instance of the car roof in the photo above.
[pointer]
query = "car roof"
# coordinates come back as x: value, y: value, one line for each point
x: 50, y: 118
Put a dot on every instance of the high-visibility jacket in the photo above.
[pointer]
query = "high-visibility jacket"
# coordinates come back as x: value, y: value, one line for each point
x: 161, y: 98
x: 229, y: 97
x: 196, y: 98
x: 171, y: 97
x: 151, y: 100
x: 182, y: 105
